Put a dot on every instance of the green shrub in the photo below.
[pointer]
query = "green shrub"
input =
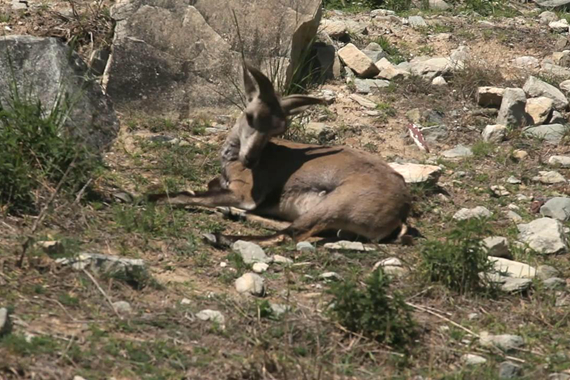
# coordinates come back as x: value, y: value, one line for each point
x: 371, y: 311
x: 457, y: 261
x: 35, y: 152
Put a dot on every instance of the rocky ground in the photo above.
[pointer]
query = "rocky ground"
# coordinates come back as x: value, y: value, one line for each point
x: 468, y: 99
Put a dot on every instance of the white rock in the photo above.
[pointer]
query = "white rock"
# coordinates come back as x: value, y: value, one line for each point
x: 472, y: 359
x: 123, y: 307
x: 334, y: 28
x: 438, y: 5
x: 305, y: 247
x: 512, y: 111
x: 211, y: 315
x: 563, y: 161
x: 359, y: 62
x: 557, y: 208
x: 330, y: 276
x: 363, y: 101
x: 514, y: 216
x: 279, y: 309
x: 347, y: 245
x: 505, y: 342
x: 526, y: 62
x: 458, y: 152
x: 549, y: 177
x: 497, y: 246
x: 5, y: 323
x: 282, y: 259
x: 510, y: 268
x: 260, y: 267
x: 476, y: 212
x: 559, y: 26
x: 417, y: 22
x: 539, y: 109
x: 535, y: 87
x: 516, y: 285
x: 490, y: 96
x: 185, y: 301
x: 431, y: 67
x: 494, y: 133
x: 251, y: 283
x: 513, y: 181
x: 416, y: 173
x: 543, y: 235
x: 439, y: 81
x: 547, y: 17
x: 250, y: 252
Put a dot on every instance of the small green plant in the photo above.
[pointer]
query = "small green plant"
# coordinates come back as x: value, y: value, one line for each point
x: 482, y: 149
x: 457, y: 261
x: 371, y: 311
x: 36, y: 151
x: 395, y: 55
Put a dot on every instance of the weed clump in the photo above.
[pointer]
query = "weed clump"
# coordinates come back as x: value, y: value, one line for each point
x: 371, y: 311
x: 457, y: 261
x: 36, y: 152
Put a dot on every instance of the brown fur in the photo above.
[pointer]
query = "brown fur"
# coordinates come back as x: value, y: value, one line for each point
x: 316, y: 188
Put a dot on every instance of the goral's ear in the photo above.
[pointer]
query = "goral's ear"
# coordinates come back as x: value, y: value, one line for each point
x: 250, y: 90
x: 294, y: 104
x: 266, y: 90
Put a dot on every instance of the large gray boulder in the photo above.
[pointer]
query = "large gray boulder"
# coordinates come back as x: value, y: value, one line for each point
x: 173, y: 57
x: 49, y: 71
x: 558, y: 4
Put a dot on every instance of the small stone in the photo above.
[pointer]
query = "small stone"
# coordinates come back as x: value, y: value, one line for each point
x: 260, y: 267
x: 505, y: 342
x: 513, y: 180
x: 565, y: 86
x: 440, y: 5
x: 347, y: 245
x: 439, y: 81
x: 185, y: 301
x: 416, y: 173
x: 211, y: 315
x: 330, y: 276
x: 535, y: 87
x: 429, y: 68
x: 546, y: 271
x: 282, y: 260
x: 359, y: 62
x: 414, y: 115
x: 513, y: 269
x: 334, y: 28
x: 471, y: 359
x: 563, y: 161
x: 305, y: 247
x: 458, y: 152
x: 543, y: 235
x: 554, y: 283
x: 557, y: 118
x: 5, y: 322
x: 279, y: 309
x: 490, y: 96
x: 497, y: 246
x: 539, y: 109
x: 473, y: 316
x: 560, y: 26
x: 477, y: 212
x: 509, y: 370
x: 514, y: 216
x: 123, y: 307
x: 512, y: 111
x: 250, y: 252
x: 494, y: 133
x: 561, y: 58
x: 374, y: 55
x: 547, y: 17
x: 526, y: 62
x: 557, y: 208
x: 395, y: 271
x: 51, y: 247
x: 417, y: 22
x: 550, y: 133
x: 516, y: 285
x: 520, y: 154
x: 549, y: 177
x: 499, y: 190
x: 559, y: 376
x: 363, y: 101
x: 251, y: 283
